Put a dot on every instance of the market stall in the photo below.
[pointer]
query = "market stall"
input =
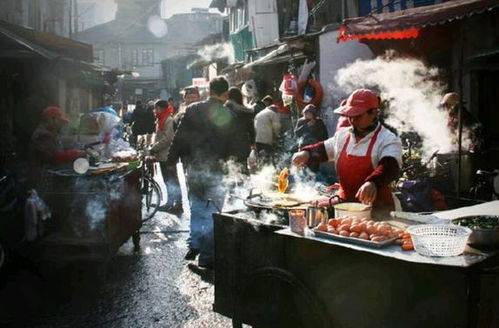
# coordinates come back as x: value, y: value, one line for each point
x: 92, y: 214
x: 268, y: 276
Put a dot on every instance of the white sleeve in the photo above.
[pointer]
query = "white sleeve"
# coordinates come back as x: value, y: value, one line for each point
x: 330, y: 146
x: 391, y: 147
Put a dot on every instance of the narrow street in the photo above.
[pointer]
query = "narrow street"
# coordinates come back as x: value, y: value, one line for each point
x: 342, y: 163
x: 150, y: 288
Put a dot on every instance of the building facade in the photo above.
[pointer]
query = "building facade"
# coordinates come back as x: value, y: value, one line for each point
x: 51, y: 16
x: 138, y: 40
x: 94, y: 12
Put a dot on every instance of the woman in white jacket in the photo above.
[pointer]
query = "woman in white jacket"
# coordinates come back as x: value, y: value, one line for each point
x: 267, y: 128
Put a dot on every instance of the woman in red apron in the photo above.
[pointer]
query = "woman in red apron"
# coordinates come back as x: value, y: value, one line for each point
x: 367, y: 155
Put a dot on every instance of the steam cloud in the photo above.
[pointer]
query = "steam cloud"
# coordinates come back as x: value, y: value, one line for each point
x: 414, y: 93
x: 217, y: 51
x: 89, y: 212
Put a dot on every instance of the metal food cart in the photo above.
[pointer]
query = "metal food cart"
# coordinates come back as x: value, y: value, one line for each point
x: 267, y: 276
x: 92, y: 215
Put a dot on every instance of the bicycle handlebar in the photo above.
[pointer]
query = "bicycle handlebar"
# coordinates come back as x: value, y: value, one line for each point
x: 487, y: 173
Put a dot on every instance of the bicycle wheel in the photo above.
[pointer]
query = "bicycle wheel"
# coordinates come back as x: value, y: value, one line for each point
x: 151, y: 198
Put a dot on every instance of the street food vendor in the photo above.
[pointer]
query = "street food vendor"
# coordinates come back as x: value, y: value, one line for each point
x: 472, y: 129
x: 46, y: 147
x: 368, y: 156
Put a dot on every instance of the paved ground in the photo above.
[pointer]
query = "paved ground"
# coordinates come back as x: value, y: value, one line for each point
x: 150, y: 288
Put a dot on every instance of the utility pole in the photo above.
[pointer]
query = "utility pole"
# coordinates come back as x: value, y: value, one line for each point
x: 76, y: 16
x: 70, y: 19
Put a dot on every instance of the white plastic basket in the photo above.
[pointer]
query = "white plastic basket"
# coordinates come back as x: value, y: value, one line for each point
x: 439, y: 239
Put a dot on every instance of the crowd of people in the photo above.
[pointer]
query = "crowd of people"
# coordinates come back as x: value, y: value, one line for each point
x: 205, y: 134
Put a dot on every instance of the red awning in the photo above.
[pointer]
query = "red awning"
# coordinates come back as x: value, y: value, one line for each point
x: 405, y: 24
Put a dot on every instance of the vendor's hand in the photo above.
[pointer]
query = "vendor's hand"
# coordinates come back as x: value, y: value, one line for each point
x: 367, y: 192
x: 300, y: 158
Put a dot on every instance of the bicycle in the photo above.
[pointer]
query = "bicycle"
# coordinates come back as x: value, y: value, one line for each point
x: 149, y: 188
x: 487, y: 186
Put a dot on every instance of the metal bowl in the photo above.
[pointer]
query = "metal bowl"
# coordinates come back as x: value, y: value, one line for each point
x: 485, y: 237
x: 482, y: 237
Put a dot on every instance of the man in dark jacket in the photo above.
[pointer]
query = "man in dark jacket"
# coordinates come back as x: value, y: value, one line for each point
x: 310, y: 129
x: 245, y: 130
x: 143, y: 122
x: 203, y: 142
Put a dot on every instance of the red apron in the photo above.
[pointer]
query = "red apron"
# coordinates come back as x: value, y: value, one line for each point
x: 352, y: 172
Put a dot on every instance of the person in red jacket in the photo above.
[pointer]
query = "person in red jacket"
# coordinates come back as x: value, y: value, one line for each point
x: 45, y: 147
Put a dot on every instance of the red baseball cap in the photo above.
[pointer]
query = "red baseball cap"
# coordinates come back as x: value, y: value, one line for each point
x: 54, y: 112
x: 359, y: 102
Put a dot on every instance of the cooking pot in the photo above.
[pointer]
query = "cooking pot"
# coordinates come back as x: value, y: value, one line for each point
x: 484, y: 238
x: 316, y: 215
x: 352, y: 209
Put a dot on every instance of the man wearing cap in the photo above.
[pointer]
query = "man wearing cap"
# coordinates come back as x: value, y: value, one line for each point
x: 451, y: 103
x: 367, y: 155
x: 310, y: 129
x: 191, y: 95
x: 46, y: 147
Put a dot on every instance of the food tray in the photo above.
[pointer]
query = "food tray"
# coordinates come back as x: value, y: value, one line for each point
x: 351, y: 240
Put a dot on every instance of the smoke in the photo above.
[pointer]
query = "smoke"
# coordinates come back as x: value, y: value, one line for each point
x: 239, y: 186
x: 97, y: 197
x: 96, y: 211
x: 271, y: 218
x: 217, y: 51
x: 413, y: 92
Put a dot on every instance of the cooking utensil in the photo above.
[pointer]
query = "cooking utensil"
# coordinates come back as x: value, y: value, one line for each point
x: 316, y: 215
x: 352, y: 209
x: 297, y: 220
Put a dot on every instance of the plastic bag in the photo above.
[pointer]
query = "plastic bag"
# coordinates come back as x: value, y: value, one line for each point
x: 36, y: 211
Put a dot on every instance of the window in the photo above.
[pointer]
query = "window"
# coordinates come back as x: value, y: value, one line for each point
x: 142, y: 57
x: 238, y: 19
x: 99, y: 56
